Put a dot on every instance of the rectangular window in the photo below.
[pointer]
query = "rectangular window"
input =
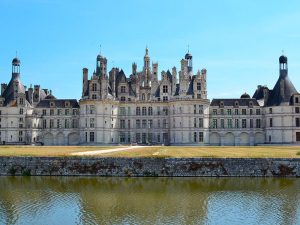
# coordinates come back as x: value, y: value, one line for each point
x: 297, y: 110
x: 122, y: 124
x: 122, y: 111
x: 138, y: 111
x: 200, y: 109
x: 92, y: 122
x: 92, y: 109
x: 44, y: 124
x: 215, y: 111
x: 244, y: 123
x: 271, y: 122
x: 158, y: 137
x: 58, y: 124
x: 150, y: 123
x: 144, y: 124
x: 51, y: 112
x: 236, y: 112
x: 123, y: 89
x: 51, y: 123
x: 92, y: 136
x: 165, y: 88
x: 229, y: 123
x: 138, y: 137
x: 44, y: 112
x: 144, y: 111
x: 297, y: 136
x: 165, y: 111
x: 258, y: 123
x: 200, y: 136
x: 195, y: 136
x: 215, y: 123
x: 195, y: 106
x: 297, y: 122
x: 138, y: 124
x: 228, y: 111
x: 158, y: 124
x: 198, y: 86
x: 165, y: 125
x: 244, y: 111
x: 251, y: 123
x: 222, y: 111
x: 251, y: 111
x: 21, y: 111
x: 66, y: 111
x: 236, y: 123
x: 165, y: 98
x: 195, y: 122
x: 222, y: 123
x: 257, y: 111
x: 200, y: 122
x: 122, y: 137
x: 128, y: 124
x: 270, y: 111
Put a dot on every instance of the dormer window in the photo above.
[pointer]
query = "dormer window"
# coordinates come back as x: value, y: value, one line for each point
x: 52, y: 104
x: 250, y: 104
x: 221, y: 104
x: 123, y: 89
x: 67, y: 104
x: 236, y: 104
x: 296, y: 100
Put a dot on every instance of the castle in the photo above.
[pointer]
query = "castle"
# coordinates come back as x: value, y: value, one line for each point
x: 143, y: 109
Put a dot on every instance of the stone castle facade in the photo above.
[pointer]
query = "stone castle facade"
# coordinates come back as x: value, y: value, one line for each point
x: 143, y: 109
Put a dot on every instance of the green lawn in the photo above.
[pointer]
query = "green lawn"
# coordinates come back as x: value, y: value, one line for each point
x: 158, y: 151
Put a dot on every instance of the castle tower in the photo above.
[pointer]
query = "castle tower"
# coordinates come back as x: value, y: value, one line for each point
x: 147, y: 72
x: 101, y: 66
x: 189, y: 58
x: 16, y: 67
x: 283, y: 66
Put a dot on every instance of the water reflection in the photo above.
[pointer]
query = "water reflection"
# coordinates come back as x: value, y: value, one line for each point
x: 87, y: 200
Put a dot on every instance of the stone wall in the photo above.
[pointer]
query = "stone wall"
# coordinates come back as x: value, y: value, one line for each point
x: 85, y: 166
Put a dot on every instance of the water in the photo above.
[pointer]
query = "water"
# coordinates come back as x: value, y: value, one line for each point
x: 88, y: 200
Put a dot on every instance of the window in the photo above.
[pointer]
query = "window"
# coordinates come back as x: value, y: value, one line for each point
x: 128, y: 124
x: 158, y: 138
x: 198, y: 86
x: 244, y: 112
x: 199, y: 96
x: 165, y: 125
x: 165, y: 98
x: 122, y: 111
x: 58, y: 124
x: 150, y: 123
x: 44, y: 124
x: 222, y: 111
x: 150, y: 111
x: 51, y: 123
x: 74, y: 123
x: 195, y: 123
x: 228, y: 111
x: 92, y: 122
x: 86, y: 137
x: 122, y: 124
x: 144, y: 124
x: 158, y: 124
x: 215, y: 111
x: 297, y: 110
x: 251, y: 123
x: 200, y: 109
x: 122, y: 137
x: 67, y: 124
x: 138, y: 137
x: 195, y: 136
x: 123, y: 89
x: 215, y: 123
x: 92, y: 109
x: 21, y: 111
x: 138, y: 124
x: 236, y: 112
x: 236, y: 123
x: 296, y: 100
x: 138, y: 111
x: 74, y: 111
x: 222, y: 123
x: 94, y: 96
x: 143, y: 97
x: 94, y: 87
x: 297, y: 122
x: 195, y: 111
x: 66, y: 111
x: 123, y: 98
x: 258, y: 123
x: 200, y: 136
x: 21, y: 101
x: 165, y: 88
x: 270, y: 110
x: 257, y: 111
x: 200, y: 123
x: 144, y: 111
x: 271, y: 122
x: 251, y: 111
x: 92, y: 136
x: 59, y: 112
x: 229, y: 123
x: 44, y: 113
x: 244, y: 123
x: 165, y: 111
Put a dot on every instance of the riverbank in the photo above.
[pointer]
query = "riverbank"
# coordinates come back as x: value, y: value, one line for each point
x: 152, y: 167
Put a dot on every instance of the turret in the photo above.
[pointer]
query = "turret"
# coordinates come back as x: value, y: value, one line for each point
x: 154, y: 71
x: 134, y: 66
x: 101, y: 66
x: 174, y: 80
x: 3, y: 87
x: 283, y: 66
x: 84, y: 82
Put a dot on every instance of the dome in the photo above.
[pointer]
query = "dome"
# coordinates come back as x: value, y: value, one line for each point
x: 245, y: 95
x: 283, y: 59
x: 16, y: 61
x: 188, y: 56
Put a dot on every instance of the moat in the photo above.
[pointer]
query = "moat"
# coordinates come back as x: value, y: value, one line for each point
x: 111, y: 200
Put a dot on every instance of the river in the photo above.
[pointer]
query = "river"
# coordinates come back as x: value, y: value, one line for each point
x: 98, y: 200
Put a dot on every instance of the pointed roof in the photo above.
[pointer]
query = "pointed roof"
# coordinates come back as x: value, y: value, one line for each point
x: 8, y: 94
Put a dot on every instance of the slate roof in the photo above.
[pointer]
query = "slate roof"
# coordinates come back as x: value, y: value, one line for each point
x: 59, y: 103
x: 231, y: 101
x: 8, y: 94
x: 282, y: 92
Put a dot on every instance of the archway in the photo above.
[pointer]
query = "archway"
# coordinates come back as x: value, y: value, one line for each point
x: 48, y: 139
x: 60, y: 139
x: 244, y: 139
x: 214, y: 139
x: 73, y: 139
x: 229, y: 139
x: 259, y: 138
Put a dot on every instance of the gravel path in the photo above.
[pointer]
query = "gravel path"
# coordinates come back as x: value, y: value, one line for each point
x: 97, y: 152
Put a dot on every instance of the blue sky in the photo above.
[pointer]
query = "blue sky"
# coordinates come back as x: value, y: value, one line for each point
x: 238, y: 42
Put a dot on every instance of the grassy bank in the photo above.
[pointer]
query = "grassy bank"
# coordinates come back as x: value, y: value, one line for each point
x: 157, y: 151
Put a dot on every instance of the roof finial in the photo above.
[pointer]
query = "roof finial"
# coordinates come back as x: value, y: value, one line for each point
x: 100, y: 49
x: 146, y: 49
x: 188, y: 47
x: 16, y: 54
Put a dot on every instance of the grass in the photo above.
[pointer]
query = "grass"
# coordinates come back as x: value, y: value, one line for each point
x: 158, y: 151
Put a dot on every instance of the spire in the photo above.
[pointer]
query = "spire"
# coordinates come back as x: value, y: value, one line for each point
x: 146, y: 51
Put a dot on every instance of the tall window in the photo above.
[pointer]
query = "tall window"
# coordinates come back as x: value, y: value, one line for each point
x: 150, y: 111
x: 215, y: 111
x: 21, y: 111
x: 123, y: 98
x: 200, y: 109
x: 51, y: 123
x: 67, y: 123
x: 94, y: 87
x: 215, y: 123
x: 165, y: 88
x: 195, y: 122
x: 122, y: 111
x: 297, y: 122
x: 138, y: 111
x: 92, y: 136
x: 257, y: 111
x: 165, y: 98
x: 243, y: 111
x: 236, y: 112
x: 229, y: 111
x: 200, y: 122
x: 165, y: 125
x: 144, y: 111
x: 150, y: 123
x: 222, y: 123
x: 92, y: 122
x: 200, y: 136
x: 271, y: 122
x: 44, y: 112
x: 123, y: 89
x: 258, y: 125
x: 138, y: 124
x: 122, y: 124
x: 297, y: 110
x: 44, y: 124
x: 244, y: 123
x: 21, y: 101
x: 236, y: 123
x: 199, y: 86
x: 144, y: 124
x: 195, y: 136
x: 229, y: 123
x: 251, y: 123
